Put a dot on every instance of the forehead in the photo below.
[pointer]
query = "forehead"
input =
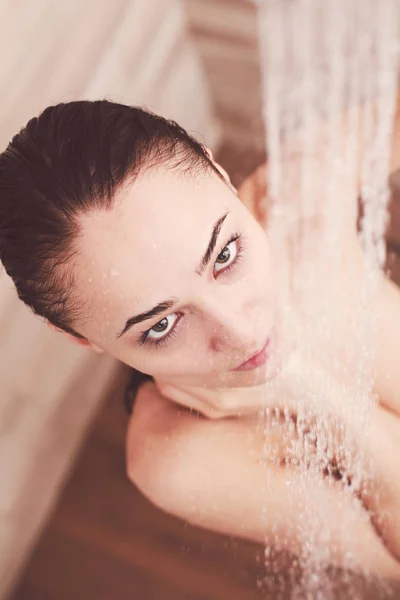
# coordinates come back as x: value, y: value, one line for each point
x: 139, y: 252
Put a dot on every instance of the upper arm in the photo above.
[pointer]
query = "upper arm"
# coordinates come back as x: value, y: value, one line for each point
x: 254, y: 190
x: 209, y: 473
x: 199, y: 470
x: 395, y: 154
x: 194, y: 468
x: 253, y: 194
x: 387, y: 344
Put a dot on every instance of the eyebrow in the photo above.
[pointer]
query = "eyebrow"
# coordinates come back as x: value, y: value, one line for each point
x: 166, y: 304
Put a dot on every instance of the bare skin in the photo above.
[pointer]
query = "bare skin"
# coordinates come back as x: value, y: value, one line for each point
x: 212, y: 473
x: 208, y: 464
x: 209, y: 471
x: 195, y: 445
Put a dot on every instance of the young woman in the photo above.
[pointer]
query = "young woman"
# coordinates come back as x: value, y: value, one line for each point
x: 122, y: 231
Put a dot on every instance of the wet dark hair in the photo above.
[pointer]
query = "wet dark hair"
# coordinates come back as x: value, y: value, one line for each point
x: 73, y: 158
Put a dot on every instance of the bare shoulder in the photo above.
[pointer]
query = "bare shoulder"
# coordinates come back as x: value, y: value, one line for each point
x: 163, y: 440
x: 253, y: 194
x: 153, y: 426
x: 181, y: 461
x: 208, y: 472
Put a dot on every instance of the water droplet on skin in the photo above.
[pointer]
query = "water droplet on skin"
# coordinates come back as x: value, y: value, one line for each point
x: 90, y: 279
x: 114, y: 273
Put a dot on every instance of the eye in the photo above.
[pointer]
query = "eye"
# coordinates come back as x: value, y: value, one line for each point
x: 162, y: 328
x: 226, y: 257
x: 162, y: 332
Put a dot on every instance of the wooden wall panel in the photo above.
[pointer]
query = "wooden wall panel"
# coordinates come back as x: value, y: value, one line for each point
x: 226, y: 35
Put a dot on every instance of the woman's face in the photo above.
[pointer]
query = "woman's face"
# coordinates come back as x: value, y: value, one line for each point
x: 178, y: 280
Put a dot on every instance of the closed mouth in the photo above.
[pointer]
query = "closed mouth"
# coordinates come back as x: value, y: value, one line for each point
x: 256, y: 360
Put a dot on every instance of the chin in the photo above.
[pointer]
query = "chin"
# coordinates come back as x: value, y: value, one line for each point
x: 248, y: 378
x: 253, y: 378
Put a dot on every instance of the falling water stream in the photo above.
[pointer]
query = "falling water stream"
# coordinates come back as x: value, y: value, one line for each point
x: 329, y: 78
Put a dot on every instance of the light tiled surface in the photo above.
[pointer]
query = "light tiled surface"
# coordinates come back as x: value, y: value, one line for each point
x: 130, y: 51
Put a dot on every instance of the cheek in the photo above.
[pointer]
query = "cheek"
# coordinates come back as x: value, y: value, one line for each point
x: 267, y: 284
x: 260, y: 265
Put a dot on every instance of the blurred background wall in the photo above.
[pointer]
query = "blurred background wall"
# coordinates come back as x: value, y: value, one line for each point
x: 225, y: 33
x: 179, y: 58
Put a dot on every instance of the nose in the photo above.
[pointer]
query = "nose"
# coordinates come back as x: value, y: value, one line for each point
x: 234, y: 326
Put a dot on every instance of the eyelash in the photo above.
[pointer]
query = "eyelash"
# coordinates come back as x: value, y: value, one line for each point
x: 166, y: 339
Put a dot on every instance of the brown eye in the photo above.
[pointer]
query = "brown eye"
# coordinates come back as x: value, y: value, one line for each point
x: 162, y: 328
x: 226, y: 257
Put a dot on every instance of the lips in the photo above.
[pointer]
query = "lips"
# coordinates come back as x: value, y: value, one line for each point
x: 256, y: 360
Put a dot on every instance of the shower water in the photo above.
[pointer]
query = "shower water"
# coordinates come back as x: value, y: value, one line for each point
x: 329, y: 81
